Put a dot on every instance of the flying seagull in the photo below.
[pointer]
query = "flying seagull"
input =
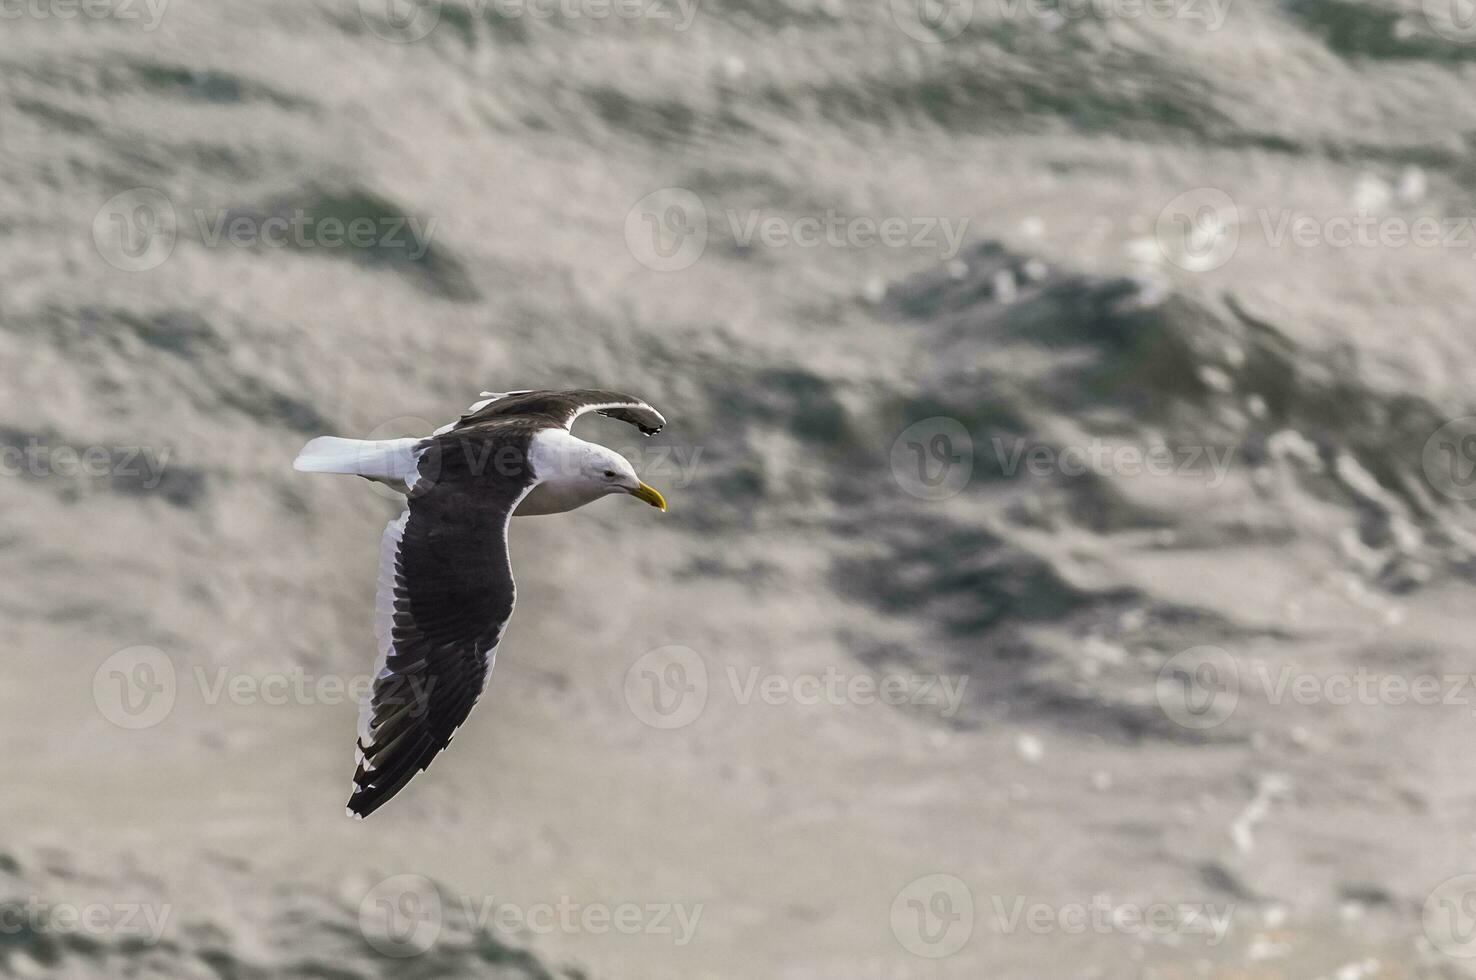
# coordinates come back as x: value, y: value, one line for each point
x: 445, y: 581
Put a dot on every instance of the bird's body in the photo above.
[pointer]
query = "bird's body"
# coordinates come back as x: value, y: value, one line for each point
x: 446, y: 588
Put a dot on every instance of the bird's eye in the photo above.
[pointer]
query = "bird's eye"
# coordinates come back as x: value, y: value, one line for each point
x: 610, y: 474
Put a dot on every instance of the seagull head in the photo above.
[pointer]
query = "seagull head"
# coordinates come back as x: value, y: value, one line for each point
x: 613, y: 473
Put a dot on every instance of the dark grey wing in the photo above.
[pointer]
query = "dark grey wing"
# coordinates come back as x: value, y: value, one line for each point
x: 563, y: 407
x: 445, y: 595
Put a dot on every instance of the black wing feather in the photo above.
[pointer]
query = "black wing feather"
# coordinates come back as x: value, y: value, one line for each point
x: 453, y: 594
x: 561, y: 408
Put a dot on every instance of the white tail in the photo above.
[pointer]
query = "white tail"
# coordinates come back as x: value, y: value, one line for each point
x: 390, y: 461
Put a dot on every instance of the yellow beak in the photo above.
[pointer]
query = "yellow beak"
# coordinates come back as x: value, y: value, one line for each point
x: 650, y: 495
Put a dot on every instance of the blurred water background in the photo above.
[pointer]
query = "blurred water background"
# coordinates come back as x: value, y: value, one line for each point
x: 1097, y: 372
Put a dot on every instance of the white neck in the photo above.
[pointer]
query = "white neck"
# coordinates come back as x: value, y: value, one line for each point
x: 557, y: 457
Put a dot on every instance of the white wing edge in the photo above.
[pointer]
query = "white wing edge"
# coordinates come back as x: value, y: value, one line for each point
x: 384, y: 616
x: 602, y: 406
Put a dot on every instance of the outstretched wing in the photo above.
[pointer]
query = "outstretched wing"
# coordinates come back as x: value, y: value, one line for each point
x: 561, y: 408
x: 445, y: 595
